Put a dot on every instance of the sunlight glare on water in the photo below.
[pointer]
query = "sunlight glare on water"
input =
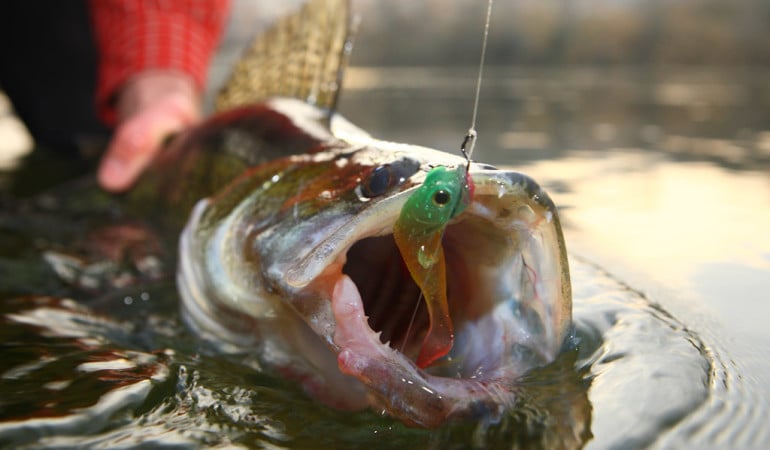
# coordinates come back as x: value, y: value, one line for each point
x: 693, y: 237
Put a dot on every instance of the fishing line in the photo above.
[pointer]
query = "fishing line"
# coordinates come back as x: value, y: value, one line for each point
x: 467, y: 145
x: 470, y: 137
x: 411, y: 322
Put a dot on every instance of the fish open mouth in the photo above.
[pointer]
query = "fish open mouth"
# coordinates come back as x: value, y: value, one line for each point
x: 396, y: 310
x: 500, y: 322
x: 506, y: 282
x: 506, y: 299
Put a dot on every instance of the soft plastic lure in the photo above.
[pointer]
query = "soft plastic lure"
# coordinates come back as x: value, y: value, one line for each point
x: 418, y: 232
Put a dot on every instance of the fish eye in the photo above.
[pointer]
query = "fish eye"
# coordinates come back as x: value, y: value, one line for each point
x: 441, y: 197
x: 378, y: 183
x: 387, y: 176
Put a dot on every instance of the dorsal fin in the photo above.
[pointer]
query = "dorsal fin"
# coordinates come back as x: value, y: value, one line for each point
x: 302, y: 56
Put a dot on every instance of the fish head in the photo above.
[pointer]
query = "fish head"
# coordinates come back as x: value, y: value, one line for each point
x: 296, y: 260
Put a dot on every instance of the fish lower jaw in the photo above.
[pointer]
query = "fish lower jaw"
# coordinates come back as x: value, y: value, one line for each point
x: 395, y: 383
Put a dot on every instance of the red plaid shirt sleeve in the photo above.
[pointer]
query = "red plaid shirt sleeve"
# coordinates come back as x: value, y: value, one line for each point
x: 135, y: 35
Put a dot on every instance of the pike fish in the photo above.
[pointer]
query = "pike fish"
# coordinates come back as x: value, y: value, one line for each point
x: 291, y: 255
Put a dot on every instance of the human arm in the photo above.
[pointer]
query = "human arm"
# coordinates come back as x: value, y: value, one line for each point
x: 153, y: 62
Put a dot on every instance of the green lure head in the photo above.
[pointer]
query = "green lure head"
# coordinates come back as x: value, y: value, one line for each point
x: 444, y: 194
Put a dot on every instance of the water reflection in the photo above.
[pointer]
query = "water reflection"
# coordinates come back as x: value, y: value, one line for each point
x: 712, y: 114
x: 674, y: 221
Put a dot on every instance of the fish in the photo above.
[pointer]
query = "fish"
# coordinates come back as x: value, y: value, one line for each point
x: 289, y: 248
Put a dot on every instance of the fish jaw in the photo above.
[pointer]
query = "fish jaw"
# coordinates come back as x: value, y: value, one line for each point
x: 395, y: 383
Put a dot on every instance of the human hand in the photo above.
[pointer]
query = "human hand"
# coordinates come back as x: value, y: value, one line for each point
x: 151, y: 106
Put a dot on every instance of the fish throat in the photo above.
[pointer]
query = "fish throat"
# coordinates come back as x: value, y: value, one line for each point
x: 398, y: 307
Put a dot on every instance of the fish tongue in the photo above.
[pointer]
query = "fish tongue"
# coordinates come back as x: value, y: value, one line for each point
x: 424, y: 257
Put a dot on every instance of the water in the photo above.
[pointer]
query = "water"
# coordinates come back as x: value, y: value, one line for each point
x: 663, y: 188
x: 690, y: 236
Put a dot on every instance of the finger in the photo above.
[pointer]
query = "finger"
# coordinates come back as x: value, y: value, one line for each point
x: 136, y: 142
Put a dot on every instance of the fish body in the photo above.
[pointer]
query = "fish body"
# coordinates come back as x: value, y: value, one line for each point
x: 291, y: 256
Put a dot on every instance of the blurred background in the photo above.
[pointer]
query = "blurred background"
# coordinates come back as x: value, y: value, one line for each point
x: 630, y: 32
x: 688, y: 77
